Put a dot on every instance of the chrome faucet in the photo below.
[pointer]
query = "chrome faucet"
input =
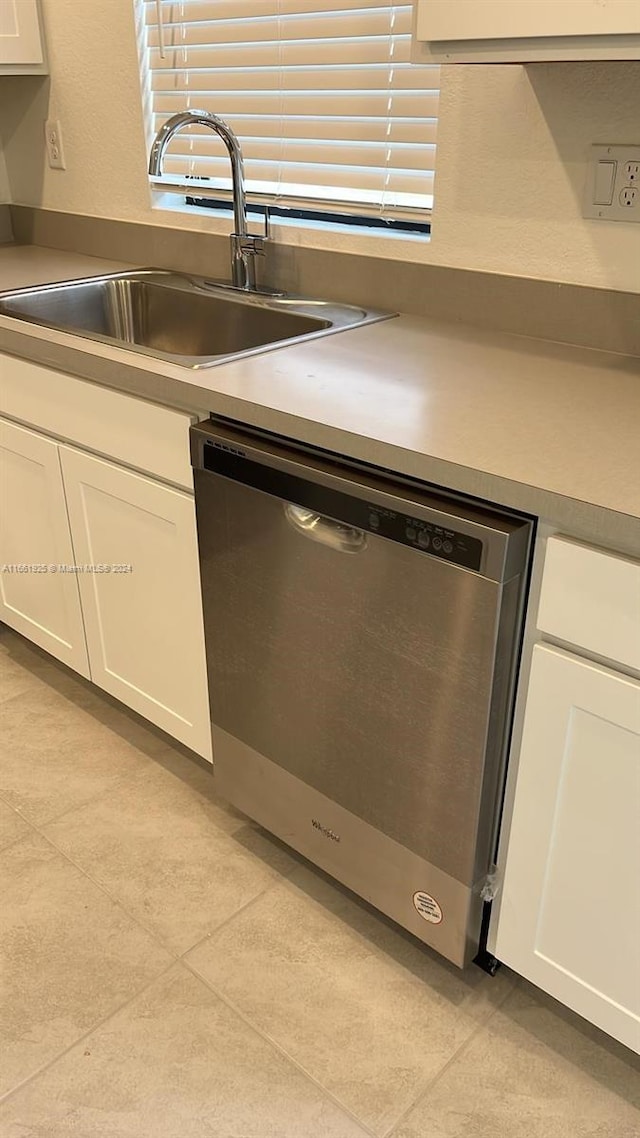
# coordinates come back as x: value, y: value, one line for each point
x: 244, y: 245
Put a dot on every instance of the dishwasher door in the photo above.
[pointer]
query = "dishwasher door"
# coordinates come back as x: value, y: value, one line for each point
x: 360, y: 640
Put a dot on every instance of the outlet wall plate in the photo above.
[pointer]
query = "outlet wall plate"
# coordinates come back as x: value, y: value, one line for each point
x: 612, y: 188
x: 53, y: 139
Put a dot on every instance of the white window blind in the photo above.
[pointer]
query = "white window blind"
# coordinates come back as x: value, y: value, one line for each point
x: 328, y: 109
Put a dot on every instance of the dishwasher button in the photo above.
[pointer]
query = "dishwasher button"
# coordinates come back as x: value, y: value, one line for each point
x: 374, y: 521
x: 423, y: 539
x: 437, y: 543
x: 410, y: 534
x: 447, y: 547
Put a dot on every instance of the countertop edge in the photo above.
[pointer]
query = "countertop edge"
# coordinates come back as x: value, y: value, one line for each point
x: 585, y: 520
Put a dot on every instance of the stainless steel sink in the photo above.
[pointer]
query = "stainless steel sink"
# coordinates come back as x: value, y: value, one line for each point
x: 187, y: 320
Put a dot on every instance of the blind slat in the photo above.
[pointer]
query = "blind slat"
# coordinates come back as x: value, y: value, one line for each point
x: 198, y: 11
x: 371, y: 25
x: 415, y: 181
x: 322, y: 105
x: 297, y: 79
x: 416, y: 131
x: 321, y: 94
x: 194, y: 11
x: 296, y: 7
x: 344, y: 132
x: 394, y: 156
x: 294, y: 53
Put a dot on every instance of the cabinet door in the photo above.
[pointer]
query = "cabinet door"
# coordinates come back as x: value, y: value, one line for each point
x: 20, y: 41
x: 510, y: 31
x: 570, y: 911
x: 141, y: 599
x: 523, y: 19
x: 38, y: 598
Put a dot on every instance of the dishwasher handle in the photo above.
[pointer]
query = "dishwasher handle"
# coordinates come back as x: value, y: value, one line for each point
x: 318, y: 527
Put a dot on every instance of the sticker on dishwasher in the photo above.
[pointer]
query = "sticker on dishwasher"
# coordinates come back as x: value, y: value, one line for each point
x: 427, y: 907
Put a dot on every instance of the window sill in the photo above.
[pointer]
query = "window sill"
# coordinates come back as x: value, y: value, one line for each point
x: 306, y: 234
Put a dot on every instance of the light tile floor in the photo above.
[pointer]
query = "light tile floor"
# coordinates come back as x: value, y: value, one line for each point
x: 170, y: 971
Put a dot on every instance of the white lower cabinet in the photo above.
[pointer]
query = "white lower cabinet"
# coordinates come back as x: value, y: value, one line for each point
x: 127, y: 612
x: 141, y: 599
x: 570, y: 909
x: 37, y: 597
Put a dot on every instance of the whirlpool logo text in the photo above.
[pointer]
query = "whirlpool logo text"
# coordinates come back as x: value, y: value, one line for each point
x: 326, y: 830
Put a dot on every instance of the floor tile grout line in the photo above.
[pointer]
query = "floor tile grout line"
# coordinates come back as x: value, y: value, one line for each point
x: 114, y: 900
x: 6, y: 800
x: 370, y: 911
x: 428, y: 1086
x: 51, y: 664
x: 85, y: 1035
x: 133, y: 917
x: 279, y: 879
x: 178, y: 963
x: 151, y: 758
x: 273, y: 1043
x: 91, y: 800
x: 20, y: 694
x: 423, y: 1092
x: 227, y: 921
x: 145, y: 772
x: 21, y: 837
x: 14, y: 842
x: 39, y: 830
x: 16, y: 810
x: 180, y: 958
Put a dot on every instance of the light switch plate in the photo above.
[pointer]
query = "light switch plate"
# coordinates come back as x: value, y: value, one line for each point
x: 612, y: 189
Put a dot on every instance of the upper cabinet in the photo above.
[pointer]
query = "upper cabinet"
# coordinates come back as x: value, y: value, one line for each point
x: 525, y: 31
x: 21, y: 41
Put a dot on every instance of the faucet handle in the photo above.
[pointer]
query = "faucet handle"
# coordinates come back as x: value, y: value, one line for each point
x: 251, y: 243
x: 255, y: 242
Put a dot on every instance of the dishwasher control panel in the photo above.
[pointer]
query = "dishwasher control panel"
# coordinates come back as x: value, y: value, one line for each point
x: 427, y: 536
x: 451, y: 545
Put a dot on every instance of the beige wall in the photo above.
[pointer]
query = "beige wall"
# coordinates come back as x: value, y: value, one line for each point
x: 513, y: 144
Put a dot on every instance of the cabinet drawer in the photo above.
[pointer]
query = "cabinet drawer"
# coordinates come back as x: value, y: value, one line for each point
x: 591, y: 599
x: 134, y: 432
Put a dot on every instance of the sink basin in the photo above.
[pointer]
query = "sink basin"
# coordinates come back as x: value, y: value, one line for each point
x: 187, y: 320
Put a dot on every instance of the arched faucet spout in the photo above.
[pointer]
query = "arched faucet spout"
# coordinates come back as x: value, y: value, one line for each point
x: 245, y: 246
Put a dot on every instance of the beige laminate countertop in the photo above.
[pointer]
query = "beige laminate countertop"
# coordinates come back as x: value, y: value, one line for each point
x: 538, y: 426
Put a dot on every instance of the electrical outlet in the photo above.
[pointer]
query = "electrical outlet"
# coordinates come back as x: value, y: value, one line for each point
x: 628, y: 196
x: 612, y: 189
x: 55, y: 152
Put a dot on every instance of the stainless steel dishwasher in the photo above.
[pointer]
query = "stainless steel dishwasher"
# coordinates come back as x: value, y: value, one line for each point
x: 361, y: 637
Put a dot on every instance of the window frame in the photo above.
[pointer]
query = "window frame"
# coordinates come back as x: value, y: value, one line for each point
x: 382, y: 220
